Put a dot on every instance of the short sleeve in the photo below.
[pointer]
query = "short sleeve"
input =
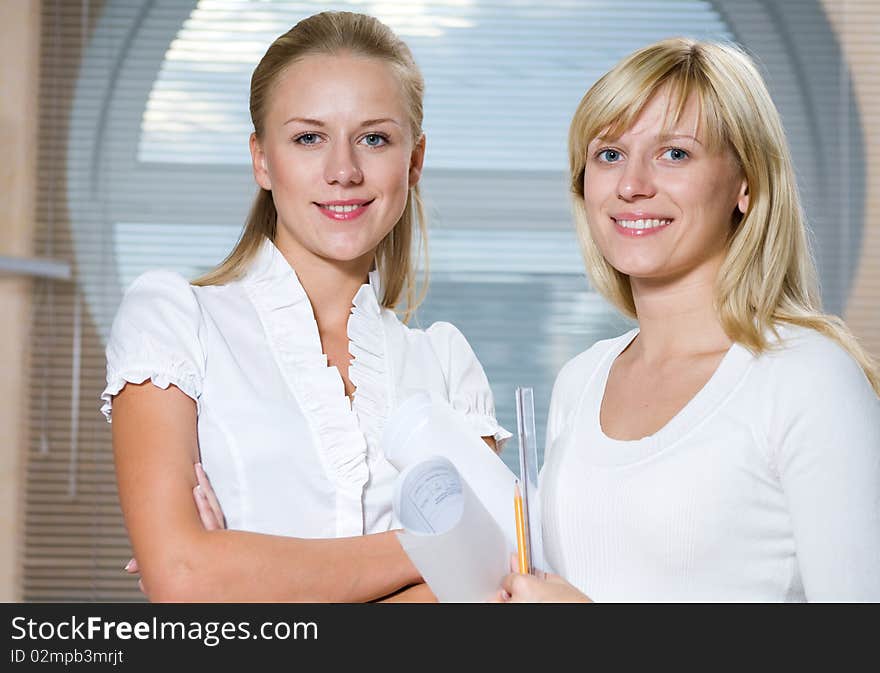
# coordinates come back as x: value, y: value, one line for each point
x: 825, y: 447
x: 467, y: 386
x: 156, y: 336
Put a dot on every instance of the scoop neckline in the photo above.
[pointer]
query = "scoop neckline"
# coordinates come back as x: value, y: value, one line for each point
x: 705, y: 402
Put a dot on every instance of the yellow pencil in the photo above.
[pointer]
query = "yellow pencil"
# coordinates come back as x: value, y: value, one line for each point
x: 522, y: 552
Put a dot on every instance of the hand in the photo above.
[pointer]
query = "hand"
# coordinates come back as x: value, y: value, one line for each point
x: 207, y: 503
x: 517, y: 588
x: 543, y: 588
x: 209, y: 512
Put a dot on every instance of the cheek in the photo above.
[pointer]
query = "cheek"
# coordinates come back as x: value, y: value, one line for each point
x: 599, y: 187
x: 714, y: 201
x: 595, y: 198
x: 393, y: 171
x: 286, y: 173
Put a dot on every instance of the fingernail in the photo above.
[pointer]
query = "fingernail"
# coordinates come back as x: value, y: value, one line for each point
x: 128, y: 565
x: 199, y: 492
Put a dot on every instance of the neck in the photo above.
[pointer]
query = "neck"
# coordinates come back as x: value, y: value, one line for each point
x: 678, y: 318
x: 330, y: 284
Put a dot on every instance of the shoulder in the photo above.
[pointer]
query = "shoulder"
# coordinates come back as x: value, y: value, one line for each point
x: 159, y: 284
x: 576, y: 373
x: 159, y: 305
x: 445, y: 335
x: 466, y: 387
x: 574, y: 378
x: 810, y: 391
x: 442, y: 340
x: 452, y: 350
x: 156, y: 335
x: 806, y: 362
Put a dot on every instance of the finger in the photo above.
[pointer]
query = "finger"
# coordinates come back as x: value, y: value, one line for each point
x: 205, y: 483
x: 132, y: 566
x: 513, y: 563
x: 141, y: 587
x: 507, y: 583
x: 206, y: 514
x: 501, y: 596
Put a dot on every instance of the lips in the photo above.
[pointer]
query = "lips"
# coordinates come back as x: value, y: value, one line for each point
x: 640, y: 224
x: 344, y: 210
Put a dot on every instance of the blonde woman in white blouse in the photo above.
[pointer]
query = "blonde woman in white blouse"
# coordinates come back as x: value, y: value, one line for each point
x: 728, y: 449
x: 277, y: 370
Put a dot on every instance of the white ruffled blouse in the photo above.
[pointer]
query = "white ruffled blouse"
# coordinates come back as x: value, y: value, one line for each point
x: 286, y: 450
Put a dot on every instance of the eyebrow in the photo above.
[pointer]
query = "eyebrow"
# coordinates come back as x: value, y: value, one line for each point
x: 672, y: 136
x: 661, y: 138
x: 304, y: 120
x: 318, y: 122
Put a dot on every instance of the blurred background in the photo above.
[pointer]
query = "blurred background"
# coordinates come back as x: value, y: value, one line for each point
x: 124, y: 128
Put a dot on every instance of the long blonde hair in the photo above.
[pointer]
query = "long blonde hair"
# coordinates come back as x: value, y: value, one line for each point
x: 768, y: 275
x: 334, y: 33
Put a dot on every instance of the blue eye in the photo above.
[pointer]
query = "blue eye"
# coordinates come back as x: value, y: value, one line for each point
x: 307, y: 139
x: 609, y: 156
x: 374, y: 140
x: 675, y: 154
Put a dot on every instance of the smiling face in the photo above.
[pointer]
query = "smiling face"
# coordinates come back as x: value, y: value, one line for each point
x: 337, y: 153
x: 659, y: 200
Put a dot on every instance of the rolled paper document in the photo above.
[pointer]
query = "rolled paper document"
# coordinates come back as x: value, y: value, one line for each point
x: 421, y: 428
x: 448, y: 534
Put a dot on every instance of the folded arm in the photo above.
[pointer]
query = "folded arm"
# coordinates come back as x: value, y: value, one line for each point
x: 155, y: 445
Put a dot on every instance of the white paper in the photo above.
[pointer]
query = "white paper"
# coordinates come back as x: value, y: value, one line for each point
x: 448, y: 534
x: 444, y: 433
x: 454, y: 500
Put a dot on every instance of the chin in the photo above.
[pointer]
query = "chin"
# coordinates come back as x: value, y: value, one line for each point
x: 347, y: 253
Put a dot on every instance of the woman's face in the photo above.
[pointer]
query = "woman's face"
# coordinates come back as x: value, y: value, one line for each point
x: 660, y: 204
x: 338, y: 154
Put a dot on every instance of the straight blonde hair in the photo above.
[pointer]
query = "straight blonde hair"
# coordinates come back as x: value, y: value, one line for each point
x: 768, y: 276
x: 335, y: 33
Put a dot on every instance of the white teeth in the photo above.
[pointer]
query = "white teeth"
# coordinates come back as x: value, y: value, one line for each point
x: 642, y: 224
x: 341, y: 209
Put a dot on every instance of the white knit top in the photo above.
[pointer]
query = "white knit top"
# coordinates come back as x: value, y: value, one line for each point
x: 764, y: 487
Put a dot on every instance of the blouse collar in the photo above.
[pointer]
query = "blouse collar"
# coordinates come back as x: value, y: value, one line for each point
x: 342, y: 428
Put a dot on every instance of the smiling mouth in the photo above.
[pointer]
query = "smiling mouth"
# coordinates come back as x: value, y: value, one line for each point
x: 637, y: 227
x: 642, y: 224
x: 344, y: 210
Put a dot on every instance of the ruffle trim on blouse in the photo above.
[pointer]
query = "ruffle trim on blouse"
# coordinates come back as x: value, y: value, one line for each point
x: 479, y: 412
x: 187, y: 382
x: 367, y: 369
x: 289, y: 322
x: 143, y: 359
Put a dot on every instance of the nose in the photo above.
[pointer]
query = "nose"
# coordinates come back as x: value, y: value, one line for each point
x: 636, y: 181
x: 342, y: 166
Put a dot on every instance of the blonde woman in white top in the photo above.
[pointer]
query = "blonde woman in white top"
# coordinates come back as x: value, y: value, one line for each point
x: 277, y: 370
x: 729, y: 448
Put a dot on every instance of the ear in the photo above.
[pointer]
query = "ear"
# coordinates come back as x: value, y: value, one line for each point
x: 258, y: 163
x: 742, y: 203
x: 416, y: 161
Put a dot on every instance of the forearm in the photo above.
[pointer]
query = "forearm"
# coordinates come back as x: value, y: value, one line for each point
x: 237, y: 566
x: 155, y: 445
